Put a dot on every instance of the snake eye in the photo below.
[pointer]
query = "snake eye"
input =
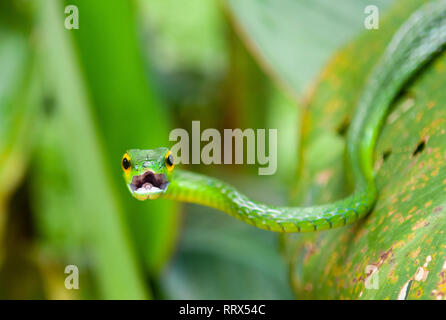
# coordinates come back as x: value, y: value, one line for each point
x: 169, y: 161
x: 126, y: 162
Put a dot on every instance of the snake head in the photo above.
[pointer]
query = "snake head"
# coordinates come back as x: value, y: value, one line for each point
x: 147, y: 172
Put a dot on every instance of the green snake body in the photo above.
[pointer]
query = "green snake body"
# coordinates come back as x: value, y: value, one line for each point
x: 416, y: 42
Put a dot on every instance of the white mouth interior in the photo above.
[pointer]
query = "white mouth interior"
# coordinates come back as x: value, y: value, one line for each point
x: 148, y: 189
x: 148, y: 183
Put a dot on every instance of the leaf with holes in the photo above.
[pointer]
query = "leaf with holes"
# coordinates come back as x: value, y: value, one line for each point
x: 399, y: 250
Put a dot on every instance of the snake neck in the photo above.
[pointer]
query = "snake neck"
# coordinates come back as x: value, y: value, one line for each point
x: 200, y: 189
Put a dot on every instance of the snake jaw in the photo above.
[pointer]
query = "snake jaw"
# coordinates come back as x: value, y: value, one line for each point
x: 149, y: 185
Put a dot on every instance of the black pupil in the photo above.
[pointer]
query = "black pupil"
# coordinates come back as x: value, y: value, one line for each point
x: 169, y: 160
x: 125, y: 163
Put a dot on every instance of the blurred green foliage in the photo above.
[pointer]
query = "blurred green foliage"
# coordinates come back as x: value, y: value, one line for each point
x: 72, y: 102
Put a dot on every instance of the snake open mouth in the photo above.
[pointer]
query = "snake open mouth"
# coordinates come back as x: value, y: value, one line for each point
x: 149, y: 184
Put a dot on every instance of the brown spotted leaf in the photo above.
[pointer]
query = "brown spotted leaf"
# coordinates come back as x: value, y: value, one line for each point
x: 399, y: 250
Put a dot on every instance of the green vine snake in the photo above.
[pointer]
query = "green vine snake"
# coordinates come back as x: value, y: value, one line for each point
x: 150, y: 174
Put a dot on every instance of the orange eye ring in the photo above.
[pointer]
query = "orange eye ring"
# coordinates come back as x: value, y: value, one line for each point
x: 170, y: 163
x: 125, y: 163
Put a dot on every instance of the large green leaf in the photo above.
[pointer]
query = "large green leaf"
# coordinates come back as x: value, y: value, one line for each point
x: 129, y: 114
x: 92, y: 191
x: 293, y: 39
x: 401, y: 244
